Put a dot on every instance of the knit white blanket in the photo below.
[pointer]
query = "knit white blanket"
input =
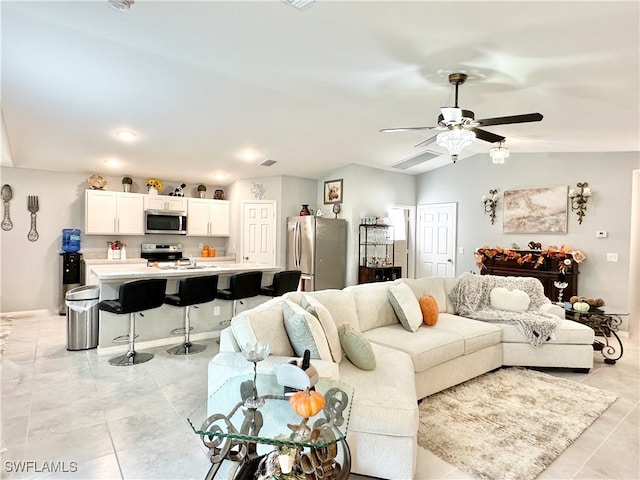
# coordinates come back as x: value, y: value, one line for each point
x: 470, y: 297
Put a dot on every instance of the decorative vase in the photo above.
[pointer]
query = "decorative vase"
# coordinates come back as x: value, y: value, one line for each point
x: 202, y: 194
x: 153, y: 191
x: 126, y: 187
x: 305, y: 210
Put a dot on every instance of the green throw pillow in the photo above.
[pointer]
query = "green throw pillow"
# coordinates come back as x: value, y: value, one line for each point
x: 356, y: 347
x: 304, y: 332
x: 406, y: 306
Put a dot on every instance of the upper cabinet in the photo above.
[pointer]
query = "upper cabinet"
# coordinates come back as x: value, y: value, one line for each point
x: 113, y: 212
x: 208, y: 218
x: 165, y: 202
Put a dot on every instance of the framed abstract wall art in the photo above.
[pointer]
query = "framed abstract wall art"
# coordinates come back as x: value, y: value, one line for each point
x: 535, y: 210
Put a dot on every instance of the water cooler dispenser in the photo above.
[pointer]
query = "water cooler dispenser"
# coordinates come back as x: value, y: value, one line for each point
x: 71, y: 265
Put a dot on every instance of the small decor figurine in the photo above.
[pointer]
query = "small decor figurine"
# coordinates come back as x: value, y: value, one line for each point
x: 202, y: 189
x: 126, y: 184
x: 535, y: 245
x: 305, y: 210
x: 179, y: 191
x: 218, y: 194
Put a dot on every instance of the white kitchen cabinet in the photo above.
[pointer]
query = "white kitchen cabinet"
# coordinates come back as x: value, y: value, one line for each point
x: 113, y: 213
x: 207, y: 218
x: 165, y: 202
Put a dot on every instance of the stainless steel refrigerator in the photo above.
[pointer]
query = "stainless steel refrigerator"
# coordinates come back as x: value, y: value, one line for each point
x: 318, y: 248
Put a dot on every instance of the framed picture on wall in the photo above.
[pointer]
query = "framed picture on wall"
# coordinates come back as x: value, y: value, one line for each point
x: 535, y: 210
x: 333, y: 191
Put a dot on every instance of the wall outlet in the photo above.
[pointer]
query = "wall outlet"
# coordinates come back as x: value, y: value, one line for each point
x: 201, y: 246
x: 225, y: 323
x: 612, y: 257
x: 601, y: 234
x: 216, y: 310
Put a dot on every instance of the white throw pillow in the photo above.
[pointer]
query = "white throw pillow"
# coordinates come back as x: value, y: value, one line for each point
x: 315, y: 308
x: 305, y: 332
x: 511, y: 300
x: 406, y: 306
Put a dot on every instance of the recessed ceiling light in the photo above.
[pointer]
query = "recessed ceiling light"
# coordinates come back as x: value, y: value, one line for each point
x: 249, y: 155
x: 126, y: 135
x: 220, y: 176
x: 112, y: 162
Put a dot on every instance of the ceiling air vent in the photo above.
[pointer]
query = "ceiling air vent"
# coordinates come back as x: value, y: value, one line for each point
x: 122, y: 5
x: 268, y: 163
x: 417, y: 160
x: 300, y: 4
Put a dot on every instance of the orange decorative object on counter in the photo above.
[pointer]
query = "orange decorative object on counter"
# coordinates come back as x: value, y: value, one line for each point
x: 205, y: 251
x: 212, y: 252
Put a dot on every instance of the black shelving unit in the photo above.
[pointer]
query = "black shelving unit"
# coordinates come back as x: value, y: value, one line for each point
x: 377, y: 254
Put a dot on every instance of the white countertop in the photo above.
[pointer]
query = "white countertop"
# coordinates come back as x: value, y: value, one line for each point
x: 131, y: 271
x: 134, y: 260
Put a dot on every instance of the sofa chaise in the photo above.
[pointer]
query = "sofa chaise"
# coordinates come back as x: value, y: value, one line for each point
x: 411, y: 361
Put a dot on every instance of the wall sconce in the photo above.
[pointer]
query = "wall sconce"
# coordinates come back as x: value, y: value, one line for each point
x: 490, y: 204
x: 579, y: 199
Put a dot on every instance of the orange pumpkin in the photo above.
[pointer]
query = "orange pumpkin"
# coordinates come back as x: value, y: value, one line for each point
x: 307, y: 403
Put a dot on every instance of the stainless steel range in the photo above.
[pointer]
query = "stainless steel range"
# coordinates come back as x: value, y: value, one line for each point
x: 161, y: 252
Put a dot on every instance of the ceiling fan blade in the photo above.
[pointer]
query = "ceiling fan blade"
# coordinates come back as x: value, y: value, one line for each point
x: 427, y: 141
x: 527, y: 117
x: 487, y: 136
x: 405, y: 129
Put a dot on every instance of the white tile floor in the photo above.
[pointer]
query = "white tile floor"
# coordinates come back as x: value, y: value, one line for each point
x: 77, y: 412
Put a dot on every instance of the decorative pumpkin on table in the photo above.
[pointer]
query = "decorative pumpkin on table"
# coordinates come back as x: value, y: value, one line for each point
x: 307, y: 403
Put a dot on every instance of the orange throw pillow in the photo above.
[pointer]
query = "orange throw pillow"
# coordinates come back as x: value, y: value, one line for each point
x: 430, y: 310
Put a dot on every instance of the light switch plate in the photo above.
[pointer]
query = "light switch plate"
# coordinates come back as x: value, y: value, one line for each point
x: 461, y: 250
x: 216, y: 310
x: 612, y: 257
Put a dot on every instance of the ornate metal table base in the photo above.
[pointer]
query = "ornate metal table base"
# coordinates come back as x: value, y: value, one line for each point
x: 606, y: 327
x: 239, y: 446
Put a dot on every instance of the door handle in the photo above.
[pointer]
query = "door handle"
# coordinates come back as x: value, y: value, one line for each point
x: 449, y: 260
x: 246, y: 258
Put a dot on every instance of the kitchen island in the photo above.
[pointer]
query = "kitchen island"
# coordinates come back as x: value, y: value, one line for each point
x: 154, y: 328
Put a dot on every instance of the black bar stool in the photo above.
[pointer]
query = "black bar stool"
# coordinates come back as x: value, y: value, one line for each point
x: 134, y: 297
x: 283, y: 282
x: 241, y: 286
x: 191, y: 292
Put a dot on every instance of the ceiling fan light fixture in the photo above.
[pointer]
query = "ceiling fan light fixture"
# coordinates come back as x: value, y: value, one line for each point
x: 499, y: 153
x: 451, y: 115
x: 455, y: 140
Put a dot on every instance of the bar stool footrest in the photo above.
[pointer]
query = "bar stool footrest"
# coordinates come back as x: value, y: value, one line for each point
x: 123, y: 338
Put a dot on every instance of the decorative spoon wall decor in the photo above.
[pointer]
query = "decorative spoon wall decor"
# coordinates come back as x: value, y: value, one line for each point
x: 33, y: 206
x: 7, y: 194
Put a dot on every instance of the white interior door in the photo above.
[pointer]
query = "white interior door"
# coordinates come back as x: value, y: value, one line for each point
x: 259, y: 232
x: 436, y: 240
x: 400, y: 220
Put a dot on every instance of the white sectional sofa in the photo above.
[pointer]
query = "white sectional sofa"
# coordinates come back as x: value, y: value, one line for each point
x: 409, y: 365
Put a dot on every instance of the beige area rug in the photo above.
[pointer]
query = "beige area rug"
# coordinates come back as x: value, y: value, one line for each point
x: 5, y: 330
x: 510, y: 423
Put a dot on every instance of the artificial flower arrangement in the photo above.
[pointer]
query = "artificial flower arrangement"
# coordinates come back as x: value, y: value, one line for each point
x: 564, y: 254
x: 154, y: 183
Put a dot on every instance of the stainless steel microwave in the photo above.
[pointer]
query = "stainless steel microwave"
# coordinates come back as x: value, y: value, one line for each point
x: 165, y: 221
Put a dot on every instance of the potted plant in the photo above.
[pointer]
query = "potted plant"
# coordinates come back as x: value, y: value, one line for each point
x: 201, y: 190
x: 154, y: 186
x: 126, y: 183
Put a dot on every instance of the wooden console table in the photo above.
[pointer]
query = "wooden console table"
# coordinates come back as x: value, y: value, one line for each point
x: 548, y: 273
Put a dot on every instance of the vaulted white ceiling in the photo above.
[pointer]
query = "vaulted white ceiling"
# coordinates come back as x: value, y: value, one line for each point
x: 203, y: 82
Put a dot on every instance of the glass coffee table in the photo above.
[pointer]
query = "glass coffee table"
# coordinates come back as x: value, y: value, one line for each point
x: 251, y: 437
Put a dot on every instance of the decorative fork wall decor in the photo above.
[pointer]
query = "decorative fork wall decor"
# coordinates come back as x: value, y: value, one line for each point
x: 33, y: 206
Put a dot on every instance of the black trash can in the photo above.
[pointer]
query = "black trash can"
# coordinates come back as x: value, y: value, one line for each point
x: 82, y: 317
